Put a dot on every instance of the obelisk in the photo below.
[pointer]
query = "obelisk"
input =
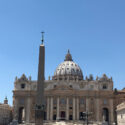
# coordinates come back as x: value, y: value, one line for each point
x: 39, y: 109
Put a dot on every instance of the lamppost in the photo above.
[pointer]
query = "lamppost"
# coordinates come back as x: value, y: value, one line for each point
x: 86, y: 115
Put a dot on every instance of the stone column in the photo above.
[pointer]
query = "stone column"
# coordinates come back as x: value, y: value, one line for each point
x: 48, y: 105
x: 74, y: 108
x: 111, y: 111
x: 57, y: 117
x: 67, y: 109
x: 51, y: 113
x: 97, y: 110
x: 77, y: 108
x: 27, y: 110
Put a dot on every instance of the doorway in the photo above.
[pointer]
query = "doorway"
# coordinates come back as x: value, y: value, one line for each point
x: 105, y: 115
x: 44, y: 115
x: 62, y: 115
x: 21, y: 117
x: 70, y: 117
x: 54, y: 117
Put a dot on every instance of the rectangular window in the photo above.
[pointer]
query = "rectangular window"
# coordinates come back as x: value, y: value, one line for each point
x: 104, y: 86
x: 70, y: 107
x: 91, y: 87
x: 54, y: 107
x: 22, y: 86
x: 81, y: 101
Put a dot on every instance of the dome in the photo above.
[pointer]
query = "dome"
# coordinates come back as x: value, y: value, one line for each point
x: 68, y: 70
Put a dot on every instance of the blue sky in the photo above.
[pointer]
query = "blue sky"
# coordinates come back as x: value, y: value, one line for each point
x: 93, y: 30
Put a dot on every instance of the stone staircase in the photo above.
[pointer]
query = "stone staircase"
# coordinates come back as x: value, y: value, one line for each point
x: 64, y: 123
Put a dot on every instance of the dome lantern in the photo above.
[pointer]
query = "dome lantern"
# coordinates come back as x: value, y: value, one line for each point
x: 68, y: 56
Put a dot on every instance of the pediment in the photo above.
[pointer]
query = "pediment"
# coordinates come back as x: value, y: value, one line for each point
x: 23, y: 78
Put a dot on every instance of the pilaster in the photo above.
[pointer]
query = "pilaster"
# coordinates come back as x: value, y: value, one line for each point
x: 77, y: 108
x: 57, y: 108
x: 97, y: 109
x: 111, y: 111
x: 87, y: 104
x: 74, y: 108
x: 51, y: 113
x: 28, y: 110
x: 48, y: 105
x: 67, y: 109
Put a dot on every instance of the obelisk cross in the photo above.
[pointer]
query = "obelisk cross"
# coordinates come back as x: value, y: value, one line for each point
x: 42, y: 39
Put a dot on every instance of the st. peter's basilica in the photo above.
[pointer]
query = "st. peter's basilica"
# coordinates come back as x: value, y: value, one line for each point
x: 67, y: 95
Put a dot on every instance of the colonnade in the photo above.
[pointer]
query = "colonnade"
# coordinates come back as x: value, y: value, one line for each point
x: 71, y: 109
x: 75, y: 108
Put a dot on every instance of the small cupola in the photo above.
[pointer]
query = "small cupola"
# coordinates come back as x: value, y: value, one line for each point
x: 5, y: 100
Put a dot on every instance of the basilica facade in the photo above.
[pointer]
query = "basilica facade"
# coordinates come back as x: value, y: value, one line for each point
x: 68, y: 95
